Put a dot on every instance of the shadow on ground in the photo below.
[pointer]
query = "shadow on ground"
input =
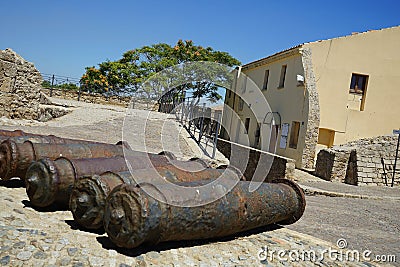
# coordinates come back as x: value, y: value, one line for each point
x: 75, y: 226
x: 107, y: 244
x: 13, y: 183
x: 51, y: 208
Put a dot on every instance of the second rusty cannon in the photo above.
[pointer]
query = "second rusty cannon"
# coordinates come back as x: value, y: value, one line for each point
x: 149, y: 213
x: 89, y: 194
x: 15, y: 158
x: 48, y: 181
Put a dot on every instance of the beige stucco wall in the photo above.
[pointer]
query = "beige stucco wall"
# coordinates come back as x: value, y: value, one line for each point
x: 374, y: 53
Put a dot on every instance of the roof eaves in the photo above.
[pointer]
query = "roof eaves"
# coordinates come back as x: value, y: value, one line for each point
x: 274, y: 57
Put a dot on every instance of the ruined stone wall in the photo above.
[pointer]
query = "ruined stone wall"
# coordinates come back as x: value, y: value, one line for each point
x: 20, y: 84
x: 360, y: 162
x: 270, y: 166
x: 331, y: 164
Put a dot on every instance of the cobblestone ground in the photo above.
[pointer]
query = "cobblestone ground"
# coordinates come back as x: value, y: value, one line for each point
x: 51, y: 238
x: 30, y: 237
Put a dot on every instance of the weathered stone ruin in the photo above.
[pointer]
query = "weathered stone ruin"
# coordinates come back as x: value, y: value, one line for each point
x: 20, y: 84
x: 368, y: 161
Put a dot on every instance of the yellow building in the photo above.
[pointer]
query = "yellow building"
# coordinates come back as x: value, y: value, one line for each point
x: 318, y: 94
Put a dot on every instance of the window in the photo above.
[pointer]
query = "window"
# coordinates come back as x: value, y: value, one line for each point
x: 257, y: 135
x: 283, y: 75
x: 294, y: 134
x: 358, y: 89
x: 358, y: 83
x: 326, y: 137
x: 266, y: 77
x: 246, y: 125
x: 241, y: 103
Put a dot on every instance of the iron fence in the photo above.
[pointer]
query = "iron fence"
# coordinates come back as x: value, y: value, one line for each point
x: 201, y: 122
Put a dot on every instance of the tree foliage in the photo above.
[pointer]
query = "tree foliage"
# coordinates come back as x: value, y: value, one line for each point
x: 138, y: 67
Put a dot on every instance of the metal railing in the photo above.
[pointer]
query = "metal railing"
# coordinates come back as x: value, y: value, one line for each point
x: 201, y: 122
x: 58, y: 82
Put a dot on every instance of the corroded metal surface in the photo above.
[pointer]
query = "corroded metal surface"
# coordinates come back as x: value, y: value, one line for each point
x: 132, y: 217
x: 88, y: 197
x: 15, y: 158
x: 19, y: 136
x: 48, y: 181
x: 5, y: 133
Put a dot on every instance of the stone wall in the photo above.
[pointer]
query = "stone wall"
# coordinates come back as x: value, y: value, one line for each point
x: 368, y: 161
x: 313, y: 120
x: 262, y: 166
x: 20, y: 84
x: 101, y: 99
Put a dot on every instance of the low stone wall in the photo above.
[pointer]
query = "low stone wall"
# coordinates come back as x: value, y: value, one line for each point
x: 101, y: 99
x: 368, y: 161
x: 20, y: 84
x: 262, y: 166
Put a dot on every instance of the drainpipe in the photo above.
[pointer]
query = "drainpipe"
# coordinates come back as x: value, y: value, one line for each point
x: 239, y: 70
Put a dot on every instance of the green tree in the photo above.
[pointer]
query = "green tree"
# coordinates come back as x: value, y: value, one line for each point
x: 68, y: 86
x: 94, y: 81
x: 46, y: 84
x: 138, y: 67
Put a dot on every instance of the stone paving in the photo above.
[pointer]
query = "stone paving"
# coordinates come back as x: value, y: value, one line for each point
x: 50, y: 238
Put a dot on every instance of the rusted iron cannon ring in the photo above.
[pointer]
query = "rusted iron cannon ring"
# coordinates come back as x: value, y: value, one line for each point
x: 91, y: 193
x: 42, y: 182
x: 8, y: 158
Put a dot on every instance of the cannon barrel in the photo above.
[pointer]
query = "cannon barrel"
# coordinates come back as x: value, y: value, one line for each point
x: 89, y: 194
x: 48, y: 181
x: 132, y: 217
x: 15, y: 158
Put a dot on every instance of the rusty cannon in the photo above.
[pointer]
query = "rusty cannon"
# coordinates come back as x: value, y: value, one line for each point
x: 88, y: 196
x: 15, y: 158
x: 136, y: 215
x: 50, y: 181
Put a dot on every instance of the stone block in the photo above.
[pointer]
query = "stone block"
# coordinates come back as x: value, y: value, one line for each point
x: 367, y: 180
x: 376, y: 160
x: 372, y: 175
x: 370, y: 165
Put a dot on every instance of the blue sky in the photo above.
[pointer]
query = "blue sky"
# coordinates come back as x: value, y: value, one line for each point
x: 64, y: 37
